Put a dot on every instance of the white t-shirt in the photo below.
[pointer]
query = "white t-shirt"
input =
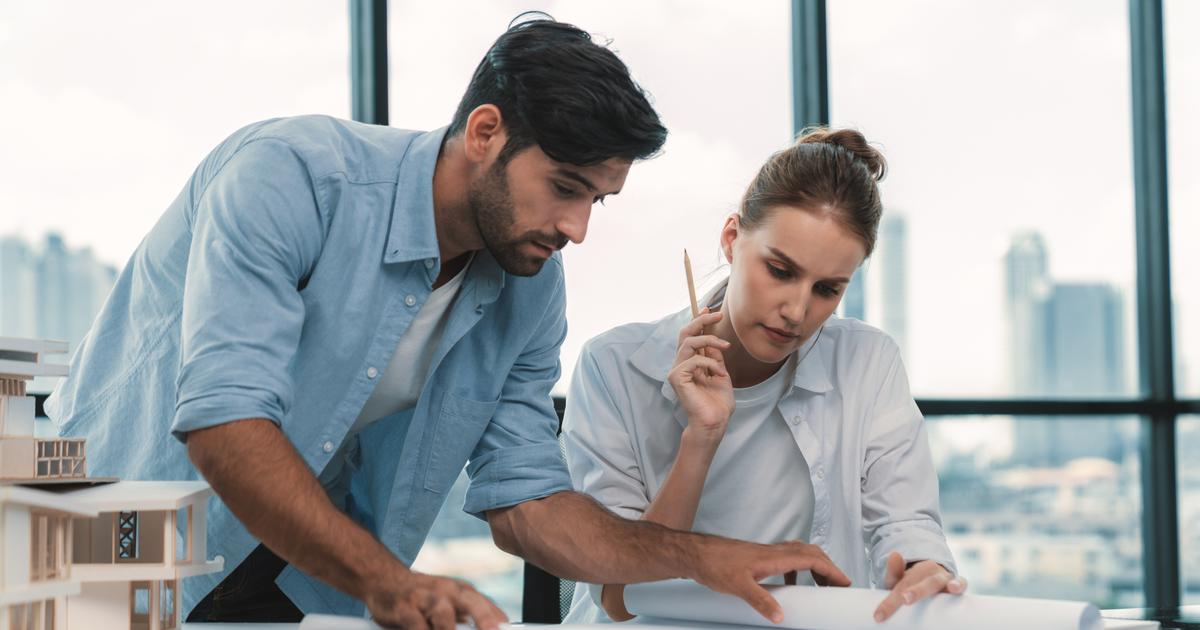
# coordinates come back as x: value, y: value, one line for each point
x: 758, y: 451
x: 402, y: 381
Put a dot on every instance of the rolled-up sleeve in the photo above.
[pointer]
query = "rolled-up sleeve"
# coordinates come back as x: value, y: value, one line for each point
x: 518, y: 458
x: 900, y: 486
x: 256, y: 234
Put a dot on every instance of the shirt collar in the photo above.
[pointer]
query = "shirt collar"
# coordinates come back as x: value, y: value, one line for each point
x: 413, y: 234
x: 656, y: 355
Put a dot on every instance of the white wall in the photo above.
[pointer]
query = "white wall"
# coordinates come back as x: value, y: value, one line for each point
x: 99, y: 605
x: 15, y: 535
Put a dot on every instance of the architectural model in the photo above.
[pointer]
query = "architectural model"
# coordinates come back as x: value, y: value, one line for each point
x: 78, y: 553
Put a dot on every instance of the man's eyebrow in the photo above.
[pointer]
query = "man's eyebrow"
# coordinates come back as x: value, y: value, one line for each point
x: 577, y: 177
x: 796, y: 265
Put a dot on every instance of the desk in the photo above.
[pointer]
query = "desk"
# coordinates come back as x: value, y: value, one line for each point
x: 1182, y: 618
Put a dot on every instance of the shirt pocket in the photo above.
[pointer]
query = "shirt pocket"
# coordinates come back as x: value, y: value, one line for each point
x: 457, y: 429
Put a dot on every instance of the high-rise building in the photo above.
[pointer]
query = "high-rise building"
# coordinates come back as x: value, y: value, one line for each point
x: 1026, y: 288
x: 892, y: 260
x: 1065, y: 340
x: 878, y: 291
x: 18, y: 279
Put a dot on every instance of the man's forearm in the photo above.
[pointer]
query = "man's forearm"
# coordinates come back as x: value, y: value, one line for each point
x: 257, y: 473
x: 588, y: 543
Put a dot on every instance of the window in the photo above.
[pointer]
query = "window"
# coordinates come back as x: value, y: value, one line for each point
x: 106, y: 120
x: 1008, y: 216
x: 1189, y: 507
x: 1181, y: 21
x: 1024, y: 474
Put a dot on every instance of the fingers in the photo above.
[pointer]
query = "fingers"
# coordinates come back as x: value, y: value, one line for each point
x: 436, y: 604
x: 761, y: 600
x: 481, y: 610
x: 921, y: 581
x: 895, y: 570
x: 889, y: 605
x: 696, y: 345
x: 697, y: 326
x: 957, y: 585
x: 926, y: 586
x: 441, y: 614
x: 826, y: 572
x: 803, y: 557
x: 698, y: 362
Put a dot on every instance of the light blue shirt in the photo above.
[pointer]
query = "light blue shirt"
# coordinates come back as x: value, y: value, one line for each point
x: 277, y: 285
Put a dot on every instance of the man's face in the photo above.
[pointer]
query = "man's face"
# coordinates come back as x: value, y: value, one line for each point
x: 532, y: 206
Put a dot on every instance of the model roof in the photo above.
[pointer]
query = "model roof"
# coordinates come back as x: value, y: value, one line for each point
x: 126, y: 496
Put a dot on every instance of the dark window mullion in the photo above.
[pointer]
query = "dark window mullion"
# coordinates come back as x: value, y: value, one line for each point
x: 369, y: 61
x: 1160, y: 520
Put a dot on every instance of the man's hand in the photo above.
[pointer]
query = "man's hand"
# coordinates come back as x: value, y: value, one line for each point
x: 912, y: 584
x: 572, y: 536
x: 416, y: 601
x: 248, y: 461
x: 735, y: 567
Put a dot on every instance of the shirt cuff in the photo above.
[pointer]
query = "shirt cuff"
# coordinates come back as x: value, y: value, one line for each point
x: 914, y: 541
x: 211, y: 410
x: 508, y: 476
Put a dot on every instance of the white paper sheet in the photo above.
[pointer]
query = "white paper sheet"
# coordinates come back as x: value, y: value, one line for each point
x: 826, y: 608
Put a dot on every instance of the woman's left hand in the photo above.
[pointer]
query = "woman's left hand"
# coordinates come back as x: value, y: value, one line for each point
x: 912, y: 584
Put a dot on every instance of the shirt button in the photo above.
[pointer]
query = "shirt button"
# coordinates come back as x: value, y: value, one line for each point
x: 409, y: 300
x: 796, y: 419
x: 327, y: 447
x: 372, y: 372
x: 820, y: 473
x: 429, y: 263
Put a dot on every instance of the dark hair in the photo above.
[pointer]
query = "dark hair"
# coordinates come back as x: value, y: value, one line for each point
x: 561, y: 91
x: 832, y: 170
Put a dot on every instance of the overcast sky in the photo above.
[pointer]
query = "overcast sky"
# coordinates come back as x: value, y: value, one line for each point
x: 996, y: 117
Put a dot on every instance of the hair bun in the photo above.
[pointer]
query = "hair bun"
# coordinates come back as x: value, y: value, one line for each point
x: 852, y: 141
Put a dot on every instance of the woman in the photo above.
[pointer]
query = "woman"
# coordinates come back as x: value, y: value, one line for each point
x: 766, y: 418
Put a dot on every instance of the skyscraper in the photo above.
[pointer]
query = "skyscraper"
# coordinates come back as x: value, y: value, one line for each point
x: 878, y: 291
x: 18, y: 273
x: 892, y: 259
x: 1065, y: 340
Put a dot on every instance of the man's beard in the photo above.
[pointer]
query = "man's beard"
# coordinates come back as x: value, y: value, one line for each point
x: 492, y: 205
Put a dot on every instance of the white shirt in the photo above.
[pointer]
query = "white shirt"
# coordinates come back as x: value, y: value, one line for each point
x: 402, y: 381
x: 848, y: 412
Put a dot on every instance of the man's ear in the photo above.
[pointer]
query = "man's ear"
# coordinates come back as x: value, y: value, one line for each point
x: 484, y: 135
x: 729, y: 234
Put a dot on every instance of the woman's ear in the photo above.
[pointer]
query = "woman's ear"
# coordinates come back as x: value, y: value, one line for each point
x: 729, y: 234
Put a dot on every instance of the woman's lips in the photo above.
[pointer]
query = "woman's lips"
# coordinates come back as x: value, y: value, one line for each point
x: 779, y: 336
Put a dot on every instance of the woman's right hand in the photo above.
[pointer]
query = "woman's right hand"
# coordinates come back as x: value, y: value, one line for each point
x: 700, y: 379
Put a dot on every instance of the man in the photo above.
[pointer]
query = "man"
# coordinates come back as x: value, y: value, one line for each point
x: 333, y: 318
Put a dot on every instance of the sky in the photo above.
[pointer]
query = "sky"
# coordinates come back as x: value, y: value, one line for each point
x: 996, y: 118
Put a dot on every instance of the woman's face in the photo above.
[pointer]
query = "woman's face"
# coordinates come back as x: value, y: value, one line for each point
x: 787, y: 277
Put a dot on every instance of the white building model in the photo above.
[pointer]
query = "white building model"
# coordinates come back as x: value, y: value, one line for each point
x: 75, y: 555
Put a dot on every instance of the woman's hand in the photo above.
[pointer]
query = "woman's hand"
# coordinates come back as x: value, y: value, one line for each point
x: 912, y: 584
x: 700, y: 379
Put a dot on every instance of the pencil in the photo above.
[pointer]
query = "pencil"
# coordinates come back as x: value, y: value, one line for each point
x: 687, y: 268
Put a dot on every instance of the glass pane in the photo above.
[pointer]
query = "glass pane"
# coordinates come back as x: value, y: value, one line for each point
x: 726, y: 113
x: 460, y: 545
x: 1008, y: 213
x: 1182, y: 22
x: 1187, y: 445
x: 1043, y: 507
x: 105, y: 121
